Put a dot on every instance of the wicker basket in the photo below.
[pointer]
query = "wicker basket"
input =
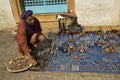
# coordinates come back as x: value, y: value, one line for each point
x: 18, y: 60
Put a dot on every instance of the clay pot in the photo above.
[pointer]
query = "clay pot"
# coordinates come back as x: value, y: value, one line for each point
x: 112, y: 50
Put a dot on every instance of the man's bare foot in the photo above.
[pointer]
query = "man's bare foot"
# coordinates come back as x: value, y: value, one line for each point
x: 30, y: 58
x: 32, y: 61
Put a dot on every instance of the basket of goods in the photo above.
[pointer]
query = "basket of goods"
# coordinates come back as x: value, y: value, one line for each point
x: 18, y: 64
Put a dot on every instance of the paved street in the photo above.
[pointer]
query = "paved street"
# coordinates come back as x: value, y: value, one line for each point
x: 8, y: 51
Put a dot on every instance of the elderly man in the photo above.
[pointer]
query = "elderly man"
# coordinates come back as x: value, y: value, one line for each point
x: 27, y: 32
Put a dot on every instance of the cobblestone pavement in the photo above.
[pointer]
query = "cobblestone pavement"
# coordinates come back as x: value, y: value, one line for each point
x: 8, y: 51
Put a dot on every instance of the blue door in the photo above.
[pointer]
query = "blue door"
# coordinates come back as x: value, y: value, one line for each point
x: 45, y: 6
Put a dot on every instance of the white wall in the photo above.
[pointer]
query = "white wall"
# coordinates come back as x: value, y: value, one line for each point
x: 98, y: 12
x: 6, y: 16
x: 89, y: 12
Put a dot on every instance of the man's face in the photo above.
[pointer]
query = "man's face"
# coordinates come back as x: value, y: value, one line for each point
x: 30, y: 20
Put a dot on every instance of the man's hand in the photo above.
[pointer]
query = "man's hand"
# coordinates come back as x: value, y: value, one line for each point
x: 33, y: 38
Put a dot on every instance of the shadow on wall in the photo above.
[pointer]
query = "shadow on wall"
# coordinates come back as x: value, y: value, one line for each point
x: 5, y: 20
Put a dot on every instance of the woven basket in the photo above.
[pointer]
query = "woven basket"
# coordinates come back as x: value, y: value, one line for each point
x: 18, y: 60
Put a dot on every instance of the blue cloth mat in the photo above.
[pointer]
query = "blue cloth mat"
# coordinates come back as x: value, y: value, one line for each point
x: 94, y: 60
